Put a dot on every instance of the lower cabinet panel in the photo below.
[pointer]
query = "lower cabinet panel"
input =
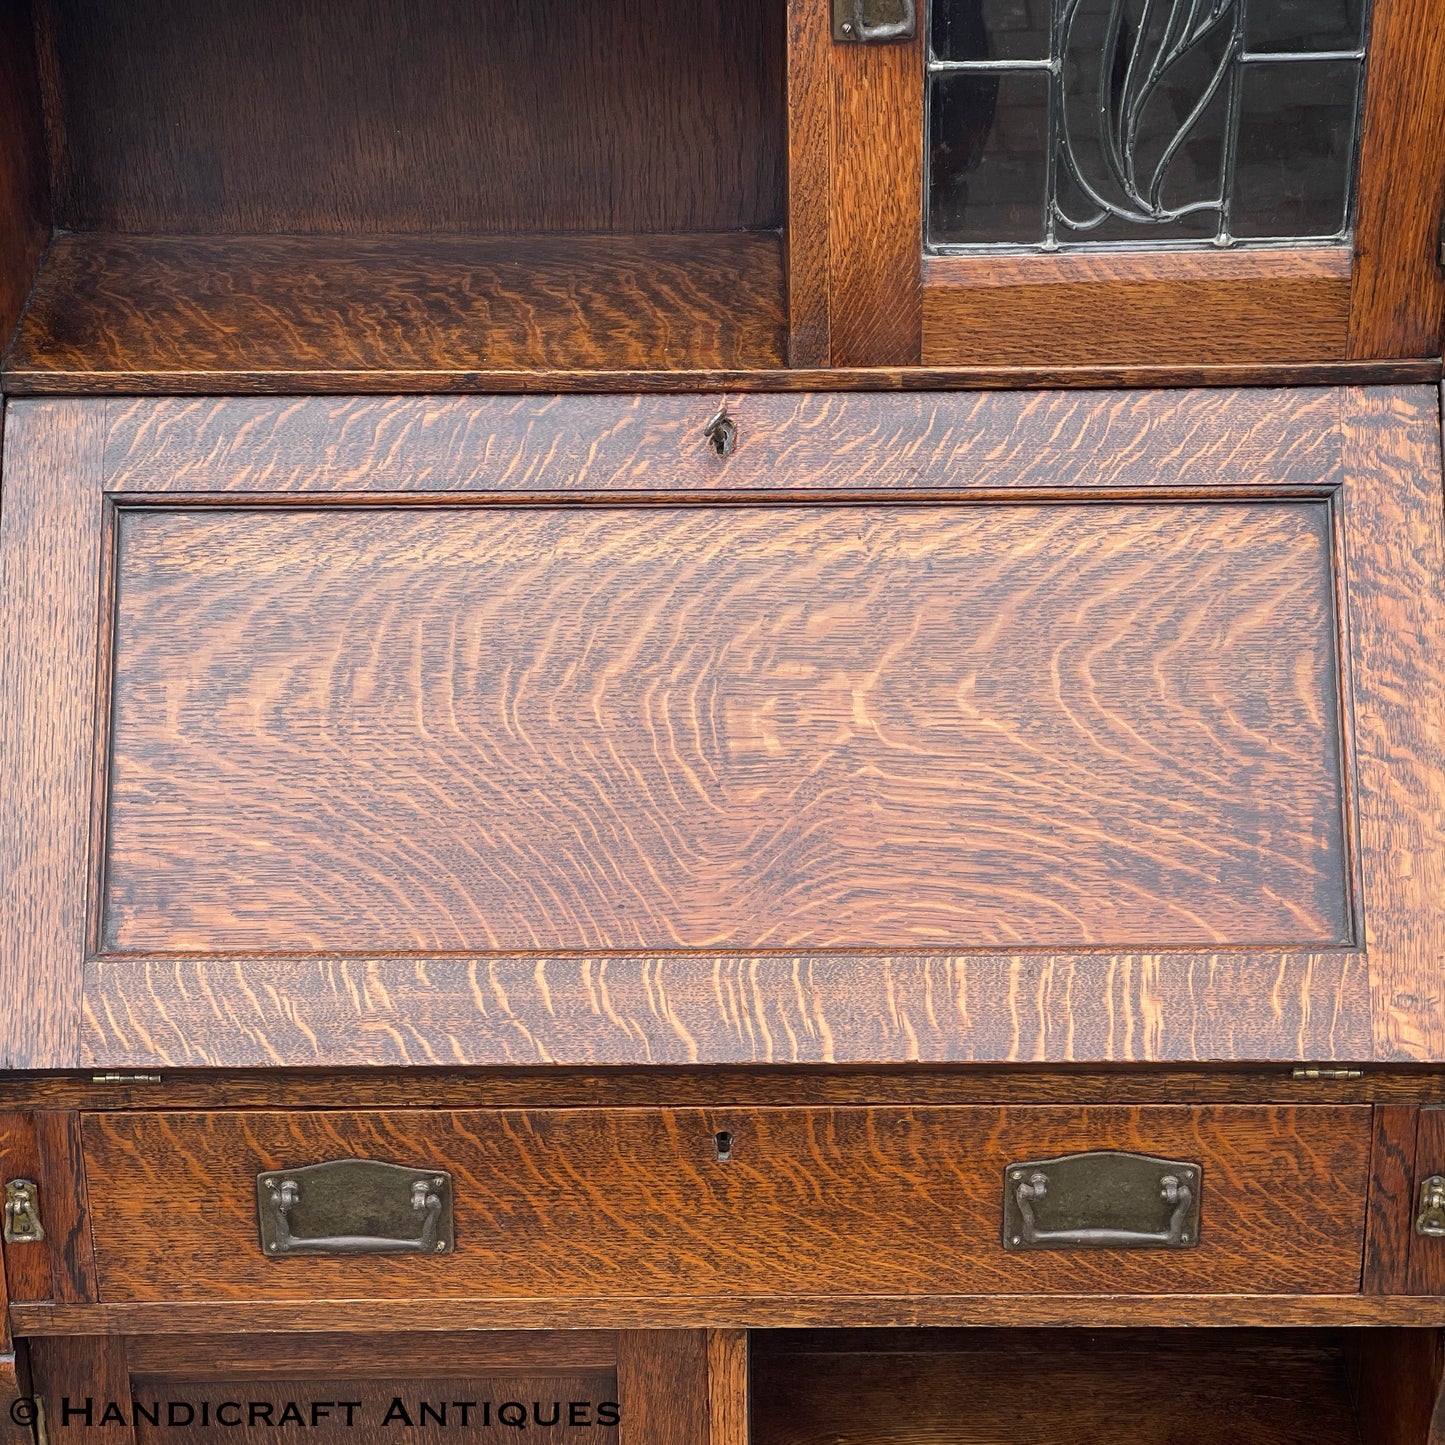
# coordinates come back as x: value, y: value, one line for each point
x: 668, y: 1204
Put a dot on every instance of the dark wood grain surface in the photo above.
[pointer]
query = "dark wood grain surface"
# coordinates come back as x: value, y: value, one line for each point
x: 1395, y: 597
x: 50, y: 534
x: 1266, y: 306
x: 349, y: 1356
x: 377, y: 1012
x: 875, y: 213
x: 359, y: 115
x: 66, y: 1213
x: 662, y: 1379
x: 634, y: 1203
x: 24, y: 167
x: 724, y: 728
x: 28, y: 1266
x: 810, y: 172
x: 392, y: 382
x: 1139, y: 443
x: 385, y: 1405
x: 1395, y: 309
x: 728, y: 1387
x: 548, y: 1086
x: 1115, y: 1388
x: 1427, y: 1252
x: 60, y: 1366
x: 1090, y: 1311
x: 1193, y: 450
x: 208, y: 306
x: 1398, y: 1399
x: 1392, y: 1212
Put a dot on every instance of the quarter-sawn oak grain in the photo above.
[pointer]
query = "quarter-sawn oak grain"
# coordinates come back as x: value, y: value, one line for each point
x: 499, y: 730
x: 50, y: 539
x: 187, y: 306
x: 592, y: 1202
x: 1238, y: 451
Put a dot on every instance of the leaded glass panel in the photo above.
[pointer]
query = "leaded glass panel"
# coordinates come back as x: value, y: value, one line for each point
x: 1056, y: 124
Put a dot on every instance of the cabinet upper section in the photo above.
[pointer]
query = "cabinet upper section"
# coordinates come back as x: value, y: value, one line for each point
x: 428, y: 194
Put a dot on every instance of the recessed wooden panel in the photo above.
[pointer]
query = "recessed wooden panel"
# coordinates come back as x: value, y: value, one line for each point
x: 1073, y: 1387
x: 1123, y: 309
x: 752, y: 727
x: 428, y: 115
x: 589, y: 1203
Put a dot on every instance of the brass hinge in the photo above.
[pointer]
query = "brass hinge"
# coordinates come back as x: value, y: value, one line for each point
x: 1325, y: 1072
x: 125, y: 1078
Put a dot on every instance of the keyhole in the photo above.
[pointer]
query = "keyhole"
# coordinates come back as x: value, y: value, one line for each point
x: 722, y: 433
x: 722, y: 1143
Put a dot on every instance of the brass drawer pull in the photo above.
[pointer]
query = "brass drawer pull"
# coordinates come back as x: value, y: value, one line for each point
x: 355, y: 1206
x: 1104, y: 1199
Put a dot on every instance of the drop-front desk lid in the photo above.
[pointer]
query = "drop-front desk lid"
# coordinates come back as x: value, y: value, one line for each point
x: 494, y: 730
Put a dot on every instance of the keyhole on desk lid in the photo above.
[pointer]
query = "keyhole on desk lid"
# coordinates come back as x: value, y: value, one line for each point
x: 722, y: 1143
x: 722, y: 433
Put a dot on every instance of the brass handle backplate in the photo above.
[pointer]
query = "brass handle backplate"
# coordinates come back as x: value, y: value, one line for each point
x: 355, y: 1206
x: 1104, y: 1199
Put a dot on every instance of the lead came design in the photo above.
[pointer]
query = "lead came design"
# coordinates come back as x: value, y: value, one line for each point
x: 1059, y: 123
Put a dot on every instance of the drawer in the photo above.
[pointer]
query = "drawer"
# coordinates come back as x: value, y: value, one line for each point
x: 479, y: 731
x: 636, y: 1203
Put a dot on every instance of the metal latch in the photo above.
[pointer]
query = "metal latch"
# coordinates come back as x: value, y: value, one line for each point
x: 1431, y: 1218
x: 874, y: 22
x: 22, y: 1212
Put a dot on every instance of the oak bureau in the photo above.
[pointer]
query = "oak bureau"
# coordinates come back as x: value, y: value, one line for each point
x: 722, y: 722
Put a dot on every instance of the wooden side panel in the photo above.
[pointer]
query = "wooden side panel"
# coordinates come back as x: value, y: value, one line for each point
x: 498, y: 730
x: 359, y: 115
x: 727, y: 1387
x: 14, y: 1366
x: 1395, y: 571
x: 1398, y: 1398
x: 1427, y: 1252
x: 663, y: 1387
x: 875, y: 245
x: 77, y: 1378
x: 810, y: 182
x: 1392, y: 1216
x: 50, y: 543
x: 1398, y: 285
x: 28, y: 1267
x: 586, y: 1204
x: 67, y: 1218
x: 24, y: 170
x: 1121, y: 308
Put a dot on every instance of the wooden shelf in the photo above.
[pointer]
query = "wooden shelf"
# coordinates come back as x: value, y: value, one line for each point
x: 1069, y: 1387
x: 206, y: 312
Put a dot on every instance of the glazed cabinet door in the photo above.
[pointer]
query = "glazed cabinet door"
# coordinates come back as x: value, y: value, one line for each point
x: 484, y: 731
x: 1075, y: 183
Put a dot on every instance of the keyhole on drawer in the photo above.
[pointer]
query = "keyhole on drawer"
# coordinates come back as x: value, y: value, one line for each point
x: 722, y: 1143
x: 722, y: 433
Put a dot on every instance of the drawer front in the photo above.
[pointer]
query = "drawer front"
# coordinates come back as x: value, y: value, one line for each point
x: 808, y: 1202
